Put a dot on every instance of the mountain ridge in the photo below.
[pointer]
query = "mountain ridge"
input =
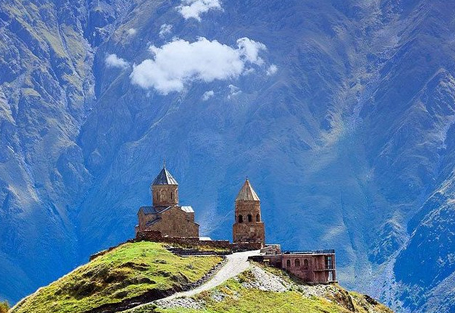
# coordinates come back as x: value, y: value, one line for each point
x: 348, y: 141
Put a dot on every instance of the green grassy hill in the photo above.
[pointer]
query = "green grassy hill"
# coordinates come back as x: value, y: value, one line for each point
x: 141, y: 272
x: 268, y: 290
x: 237, y: 298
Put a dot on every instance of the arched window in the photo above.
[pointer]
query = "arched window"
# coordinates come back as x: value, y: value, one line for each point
x: 305, y: 264
x: 250, y: 218
x: 288, y: 263
x: 258, y: 218
x: 240, y: 219
x: 297, y: 263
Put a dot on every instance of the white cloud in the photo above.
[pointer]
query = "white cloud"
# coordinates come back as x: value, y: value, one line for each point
x: 112, y: 60
x: 272, y: 70
x: 207, y: 95
x: 248, y: 71
x: 179, y: 63
x: 131, y: 32
x: 233, y: 91
x: 250, y: 50
x: 165, y: 29
x: 194, y: 8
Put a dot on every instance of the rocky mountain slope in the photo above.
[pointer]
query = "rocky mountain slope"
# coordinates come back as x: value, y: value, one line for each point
x: 137, y: 273
x: 341, y: 114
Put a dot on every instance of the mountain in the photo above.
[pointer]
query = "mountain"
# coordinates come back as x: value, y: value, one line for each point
x: 133, y: 275
x: 47, y: 52
x: 340, y: 113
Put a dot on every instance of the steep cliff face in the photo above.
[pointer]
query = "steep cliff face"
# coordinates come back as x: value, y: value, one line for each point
x: 47, y: 88
x: 340, y: 113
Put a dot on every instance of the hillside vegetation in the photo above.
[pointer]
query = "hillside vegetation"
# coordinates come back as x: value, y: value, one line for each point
x: 146, y: 273
x: 268, y: 290
x: 132, y: 270
x: 4, y: 307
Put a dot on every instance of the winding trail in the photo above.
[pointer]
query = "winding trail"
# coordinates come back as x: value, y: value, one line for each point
x: 236, y: 264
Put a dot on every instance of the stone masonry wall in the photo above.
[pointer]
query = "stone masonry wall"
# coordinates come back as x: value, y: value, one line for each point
x: 222, y: 244
x: 176, y: 223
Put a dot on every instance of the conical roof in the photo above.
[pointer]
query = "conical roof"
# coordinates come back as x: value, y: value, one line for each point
x: 247, y: 193
x: 164, y: 178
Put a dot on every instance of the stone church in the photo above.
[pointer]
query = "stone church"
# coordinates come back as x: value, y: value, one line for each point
x: 165, y: 215
x: 167, y: 221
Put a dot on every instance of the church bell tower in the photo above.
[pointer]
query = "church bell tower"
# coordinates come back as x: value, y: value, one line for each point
x: 165, y: 190
x: 248, y: 226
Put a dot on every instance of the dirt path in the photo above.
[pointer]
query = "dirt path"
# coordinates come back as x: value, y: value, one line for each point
x: 236, y: 263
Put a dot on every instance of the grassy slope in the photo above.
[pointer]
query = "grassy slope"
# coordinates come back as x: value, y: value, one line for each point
x: 4, y: 307
x: 133, y: 269
x: 128, y: 271
x: 238, y: 298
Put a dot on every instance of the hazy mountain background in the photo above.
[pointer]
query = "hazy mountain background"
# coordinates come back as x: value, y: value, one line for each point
x: 340, y: 112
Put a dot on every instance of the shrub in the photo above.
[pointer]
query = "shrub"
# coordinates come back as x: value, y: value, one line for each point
x: 4, y: 307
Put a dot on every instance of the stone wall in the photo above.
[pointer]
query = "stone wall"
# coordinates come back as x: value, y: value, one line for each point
x: 248, y: 226
x: 144, y: 219
x: 249, y: 232
x: 156, y: 236
x: 165, y: 195
x: 173, y: 222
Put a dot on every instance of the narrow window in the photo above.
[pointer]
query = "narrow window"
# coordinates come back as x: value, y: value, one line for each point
x: 328, y: 263
x: 240, y: 219
x: 297, y: 263
x: 172, y: 195
x: 305, y: 264
x: 288, y: 263
x: 258, y: 218
x: 250, y: 218
x: 163, y: 195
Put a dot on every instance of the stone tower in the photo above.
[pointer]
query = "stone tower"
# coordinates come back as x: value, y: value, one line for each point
x: 248, y: 226
x: 165, y: 190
